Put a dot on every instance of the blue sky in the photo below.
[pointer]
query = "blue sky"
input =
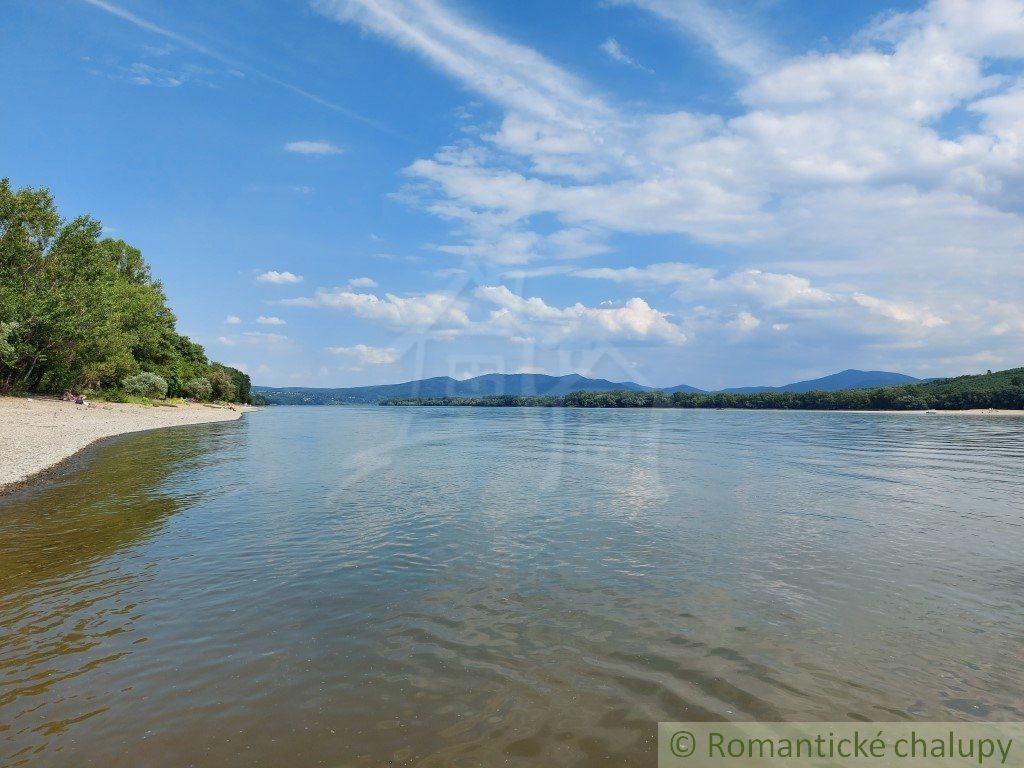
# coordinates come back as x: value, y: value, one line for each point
x: 344, y: 192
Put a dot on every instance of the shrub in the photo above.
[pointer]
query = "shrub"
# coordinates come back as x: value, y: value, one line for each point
x: 145, y: 384
x: 200, y: 388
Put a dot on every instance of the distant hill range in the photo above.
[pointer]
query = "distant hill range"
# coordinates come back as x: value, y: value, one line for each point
x: 523, y: 384
x: 837, y: 382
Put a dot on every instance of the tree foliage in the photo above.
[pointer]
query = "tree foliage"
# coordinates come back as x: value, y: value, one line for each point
x: 81, y: 311
x: 199, y: 388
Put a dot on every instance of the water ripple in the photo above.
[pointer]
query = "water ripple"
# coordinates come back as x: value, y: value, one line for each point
x: 442, y: 587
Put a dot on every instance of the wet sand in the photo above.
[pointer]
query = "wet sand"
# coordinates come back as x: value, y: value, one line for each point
x: 36, y: 434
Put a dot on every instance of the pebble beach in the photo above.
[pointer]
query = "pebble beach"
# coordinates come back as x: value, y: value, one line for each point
x: 38, y: 433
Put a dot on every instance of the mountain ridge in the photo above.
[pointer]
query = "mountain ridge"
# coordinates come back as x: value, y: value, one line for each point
x: 525, y: 384
x: 851, y: 378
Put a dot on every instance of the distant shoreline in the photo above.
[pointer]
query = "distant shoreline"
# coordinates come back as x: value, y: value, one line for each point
x: 39, y: 434
x: 467, y: 406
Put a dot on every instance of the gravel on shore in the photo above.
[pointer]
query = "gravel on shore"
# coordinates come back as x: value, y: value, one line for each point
x: 36, y: 433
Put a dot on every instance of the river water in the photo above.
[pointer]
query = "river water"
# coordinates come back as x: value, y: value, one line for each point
x: 363, y: 586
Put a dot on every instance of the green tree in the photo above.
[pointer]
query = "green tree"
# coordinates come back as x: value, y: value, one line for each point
x: 222, y: 382
x: 200, y: 388
x: 80, y: 311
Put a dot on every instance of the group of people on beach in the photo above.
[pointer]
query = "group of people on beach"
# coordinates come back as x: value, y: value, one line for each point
x: 73, y: 397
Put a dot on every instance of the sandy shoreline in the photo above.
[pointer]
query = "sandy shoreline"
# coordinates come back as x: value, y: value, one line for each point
x: 978, y: 412
x: 38, y: 433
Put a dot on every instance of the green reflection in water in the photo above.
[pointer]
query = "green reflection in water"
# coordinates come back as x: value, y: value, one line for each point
x: 64, y: 610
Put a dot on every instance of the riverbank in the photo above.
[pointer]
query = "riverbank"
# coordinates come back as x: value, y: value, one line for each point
x: 980, y: 412
x: 36, y: 434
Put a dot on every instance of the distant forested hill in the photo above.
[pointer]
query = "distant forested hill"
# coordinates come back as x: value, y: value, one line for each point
x: 837, y: 382
x: 81, y: 311
x: 525, y: 385
x: 1004, y: 389
x: 520, y: 384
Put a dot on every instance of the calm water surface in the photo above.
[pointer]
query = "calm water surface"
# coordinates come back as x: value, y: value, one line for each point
x: 435, y: 587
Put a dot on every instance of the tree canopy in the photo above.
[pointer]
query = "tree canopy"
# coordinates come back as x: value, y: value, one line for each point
x: 82, y: 311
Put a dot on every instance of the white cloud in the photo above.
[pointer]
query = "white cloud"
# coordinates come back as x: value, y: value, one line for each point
x: 362, y: 354
x: 429, y: 311
x: 523, y: 317
x: 269, y: 320
x: 666, y: 273
x: 513, y: 74
x: 614, y: 50
x: 143, y: 73
x: 901, y: 313
x: 851, y: 116
x: 319, y: 147
x: 733, y: 40
x: 773, y: 290
x: 362, y: 282
x: 232, y: 320
x: 790, y: 294
x: 744, y: 322
x: 259, y: 338
x: 889, y: 169
x: 278, y: 278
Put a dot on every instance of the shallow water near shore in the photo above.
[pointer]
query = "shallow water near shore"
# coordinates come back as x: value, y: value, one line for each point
x: 365, y: 586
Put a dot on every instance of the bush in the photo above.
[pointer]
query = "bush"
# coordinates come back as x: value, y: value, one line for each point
x: 199, y: 389
x: 145, y: 384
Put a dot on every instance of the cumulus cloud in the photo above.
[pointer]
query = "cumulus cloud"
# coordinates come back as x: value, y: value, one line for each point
x: 361, y: 354
x: 428, y: 311
x: 278, y: 278
x: 863, y: 116
x: 635, y: 320
x: 232, y: 320
x: 362, y: 282
x: 269, y: 320
x: 890, y: 168
x: 744, y: 322
x: 787, y: 293
x: 901, y: 313
x: 318, y: 147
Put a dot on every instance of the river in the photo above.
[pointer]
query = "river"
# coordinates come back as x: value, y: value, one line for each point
x: 363, y: 586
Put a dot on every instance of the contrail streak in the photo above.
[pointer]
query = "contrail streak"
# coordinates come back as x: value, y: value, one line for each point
x: 156, y: 29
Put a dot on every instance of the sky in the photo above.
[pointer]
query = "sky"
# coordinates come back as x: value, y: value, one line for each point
x: 349, y: 192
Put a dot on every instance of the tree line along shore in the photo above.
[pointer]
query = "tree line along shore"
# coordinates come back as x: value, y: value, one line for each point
x: 1003, y: 390
x: 81, y: 314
